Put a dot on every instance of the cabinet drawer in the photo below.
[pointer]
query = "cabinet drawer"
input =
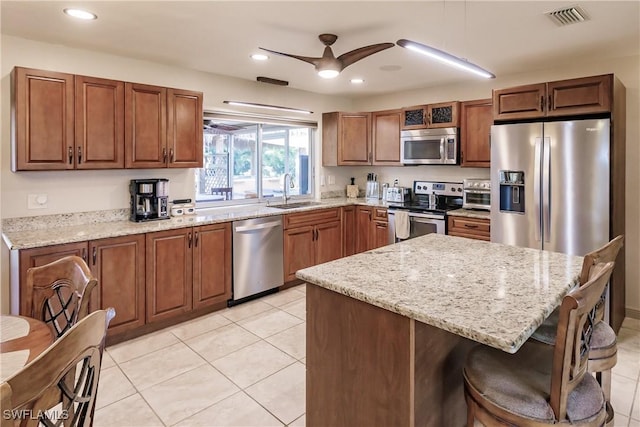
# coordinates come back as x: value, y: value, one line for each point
x: 380, y: 214
x: 474, y: 228
x: 311, y: 218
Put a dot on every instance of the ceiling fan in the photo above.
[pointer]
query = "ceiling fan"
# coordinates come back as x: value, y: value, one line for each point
x: 328, y: 66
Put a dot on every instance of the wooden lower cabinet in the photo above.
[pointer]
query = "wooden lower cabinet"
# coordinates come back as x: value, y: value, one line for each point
x: 311, y: 238
x: 119, y: 265
x: 211, y: 265
x: 349, y: 230
x: 372, y: 228
x: 473, y: 228
x: 187, y: 269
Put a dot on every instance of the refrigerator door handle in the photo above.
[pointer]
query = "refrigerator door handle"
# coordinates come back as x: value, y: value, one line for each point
x: 546, y: 189
x: 536, y: 187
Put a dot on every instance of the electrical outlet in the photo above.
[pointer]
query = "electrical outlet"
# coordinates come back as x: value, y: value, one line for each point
x: 37, y: 201
x: 322, y: 184
x: 332, y: 179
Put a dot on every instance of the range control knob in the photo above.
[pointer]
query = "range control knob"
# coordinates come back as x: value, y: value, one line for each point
x: 419, y: 187
x: 459, y: 190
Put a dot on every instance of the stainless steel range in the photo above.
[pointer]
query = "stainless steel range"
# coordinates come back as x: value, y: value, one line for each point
x: 427, y: 212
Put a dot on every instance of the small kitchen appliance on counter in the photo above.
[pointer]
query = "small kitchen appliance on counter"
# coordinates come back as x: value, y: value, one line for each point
x: 477, y: 194
x: 398, y: 195
x: 149, y: 199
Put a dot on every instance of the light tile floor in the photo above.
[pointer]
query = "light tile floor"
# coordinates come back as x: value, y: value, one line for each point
x: 244, y: 366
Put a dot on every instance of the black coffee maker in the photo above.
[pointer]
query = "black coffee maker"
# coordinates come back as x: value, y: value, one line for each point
x: 149, y: 199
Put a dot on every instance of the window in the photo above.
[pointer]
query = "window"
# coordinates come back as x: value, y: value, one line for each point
x: 246, y: 160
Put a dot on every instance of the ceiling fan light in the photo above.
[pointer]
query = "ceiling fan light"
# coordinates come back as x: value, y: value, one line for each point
x: 328, y: 73
x: 80, y: 14
x: 445, y: 58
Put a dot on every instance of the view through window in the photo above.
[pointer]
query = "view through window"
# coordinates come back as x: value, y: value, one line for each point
x: 248, y: 160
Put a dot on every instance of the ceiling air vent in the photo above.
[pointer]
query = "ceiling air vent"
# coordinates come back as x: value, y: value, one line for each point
x: 568, y: 15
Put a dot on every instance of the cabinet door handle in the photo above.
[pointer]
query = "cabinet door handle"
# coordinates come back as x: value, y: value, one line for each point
x: 550, y: 103
x: 164, y: 154
x: 471, y: 225
x: 190, y: 240
x: 84, y: 255
x: 70, y: 155
x: 94, y: 255
x: 79, y: 155
x: 196, y: 245
x: 542, y: 103
x: 171, y: 155
x: 317, y: 234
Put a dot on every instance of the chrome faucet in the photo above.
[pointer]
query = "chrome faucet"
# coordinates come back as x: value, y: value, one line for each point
x: 285, y: 195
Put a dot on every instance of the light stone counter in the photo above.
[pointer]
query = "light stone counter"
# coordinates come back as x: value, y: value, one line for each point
x: 491, y: 293
x: 38, y: 231
x: 470, y: 213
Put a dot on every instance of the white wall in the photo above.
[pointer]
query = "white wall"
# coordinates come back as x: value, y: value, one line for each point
x: 625, y: 69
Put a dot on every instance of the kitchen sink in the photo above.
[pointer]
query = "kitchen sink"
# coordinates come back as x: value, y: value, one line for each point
x: 295, y: 205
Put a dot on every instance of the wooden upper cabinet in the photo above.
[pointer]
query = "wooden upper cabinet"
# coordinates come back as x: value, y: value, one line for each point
x: 414, y: 117
x: 587, y: 95
x: 346, y: 139
x: 580, y: 96
x: 43, y: 116
x: 443, y: 115
x: 145, y: 126
x: 386, y: 137
x: 99, y: 123
x: 184, y: 128
x: 519, y: 102
x: 475, y: 133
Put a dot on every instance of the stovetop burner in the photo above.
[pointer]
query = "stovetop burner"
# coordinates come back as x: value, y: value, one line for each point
x: 433, y: 197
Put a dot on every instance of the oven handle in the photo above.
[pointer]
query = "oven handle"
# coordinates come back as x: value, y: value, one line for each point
x: 478, y: 191
x: 418, y: 215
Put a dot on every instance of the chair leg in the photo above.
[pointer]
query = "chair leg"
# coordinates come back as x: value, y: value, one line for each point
x: 604, y: 378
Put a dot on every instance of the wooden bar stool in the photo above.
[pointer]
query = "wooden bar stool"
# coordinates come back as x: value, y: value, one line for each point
x: 60, y: 292
x: 540, y: 384
x: 603, y: 351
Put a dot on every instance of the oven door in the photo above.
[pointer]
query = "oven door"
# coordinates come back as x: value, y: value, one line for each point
x: 419, y: 225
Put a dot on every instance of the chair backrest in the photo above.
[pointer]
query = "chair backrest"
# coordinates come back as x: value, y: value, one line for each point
x: 607, y: 253
x: 60, y: 292
x: 67, y: 373
x: 575, y: 326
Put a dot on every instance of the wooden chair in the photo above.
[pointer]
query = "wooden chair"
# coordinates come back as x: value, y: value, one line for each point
x: 62, y: 380
x: 60, y: 292
x: 603, y: 353
x: 540, y: 384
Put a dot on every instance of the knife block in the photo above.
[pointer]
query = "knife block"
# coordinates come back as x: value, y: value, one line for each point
x: 352, y: 191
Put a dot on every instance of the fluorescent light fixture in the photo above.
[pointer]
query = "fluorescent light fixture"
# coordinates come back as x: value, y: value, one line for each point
x: 445, y: 57
x: 259, y: 57
x: 268, y: 107
x: 357, y: 81
x: 80, y: 14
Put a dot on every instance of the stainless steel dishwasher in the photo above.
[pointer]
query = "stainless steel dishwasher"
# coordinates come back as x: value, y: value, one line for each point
x: 257, y: 257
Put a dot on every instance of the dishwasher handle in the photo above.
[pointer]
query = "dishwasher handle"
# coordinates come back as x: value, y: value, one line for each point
x: 244, y: 228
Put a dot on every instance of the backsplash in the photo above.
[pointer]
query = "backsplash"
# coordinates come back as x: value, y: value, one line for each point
x: 63, y: 220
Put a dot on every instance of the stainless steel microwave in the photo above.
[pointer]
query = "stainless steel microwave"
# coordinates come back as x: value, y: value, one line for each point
x: 429, y: 146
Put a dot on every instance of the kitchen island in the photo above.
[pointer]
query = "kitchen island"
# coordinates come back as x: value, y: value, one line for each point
x: 388, y: 330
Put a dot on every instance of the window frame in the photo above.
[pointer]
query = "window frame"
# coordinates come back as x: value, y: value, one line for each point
x: 261, y: 120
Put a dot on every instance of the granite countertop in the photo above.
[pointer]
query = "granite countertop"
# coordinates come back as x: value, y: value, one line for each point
x: 491, y: 293
x: 470, y: 213
x: 38, y: 231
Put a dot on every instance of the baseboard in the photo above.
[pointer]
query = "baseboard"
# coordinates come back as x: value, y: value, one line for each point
x: 630, y: 312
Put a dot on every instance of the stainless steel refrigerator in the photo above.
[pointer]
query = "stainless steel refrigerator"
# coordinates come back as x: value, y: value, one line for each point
x: 550, y: 185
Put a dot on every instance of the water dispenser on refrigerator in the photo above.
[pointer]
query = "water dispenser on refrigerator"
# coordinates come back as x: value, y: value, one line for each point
x: 512, y: 191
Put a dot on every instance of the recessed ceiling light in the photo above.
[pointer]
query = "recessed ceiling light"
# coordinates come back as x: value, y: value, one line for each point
x: 357, y: 81
x: 259, y: 57
x: 80, y: 14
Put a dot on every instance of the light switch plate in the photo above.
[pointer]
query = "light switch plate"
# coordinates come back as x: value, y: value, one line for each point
x: 37, y: 201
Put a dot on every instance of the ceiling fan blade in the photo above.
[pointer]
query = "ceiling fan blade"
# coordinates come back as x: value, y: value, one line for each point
x: 357, y: 54
x: 310, y: 60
